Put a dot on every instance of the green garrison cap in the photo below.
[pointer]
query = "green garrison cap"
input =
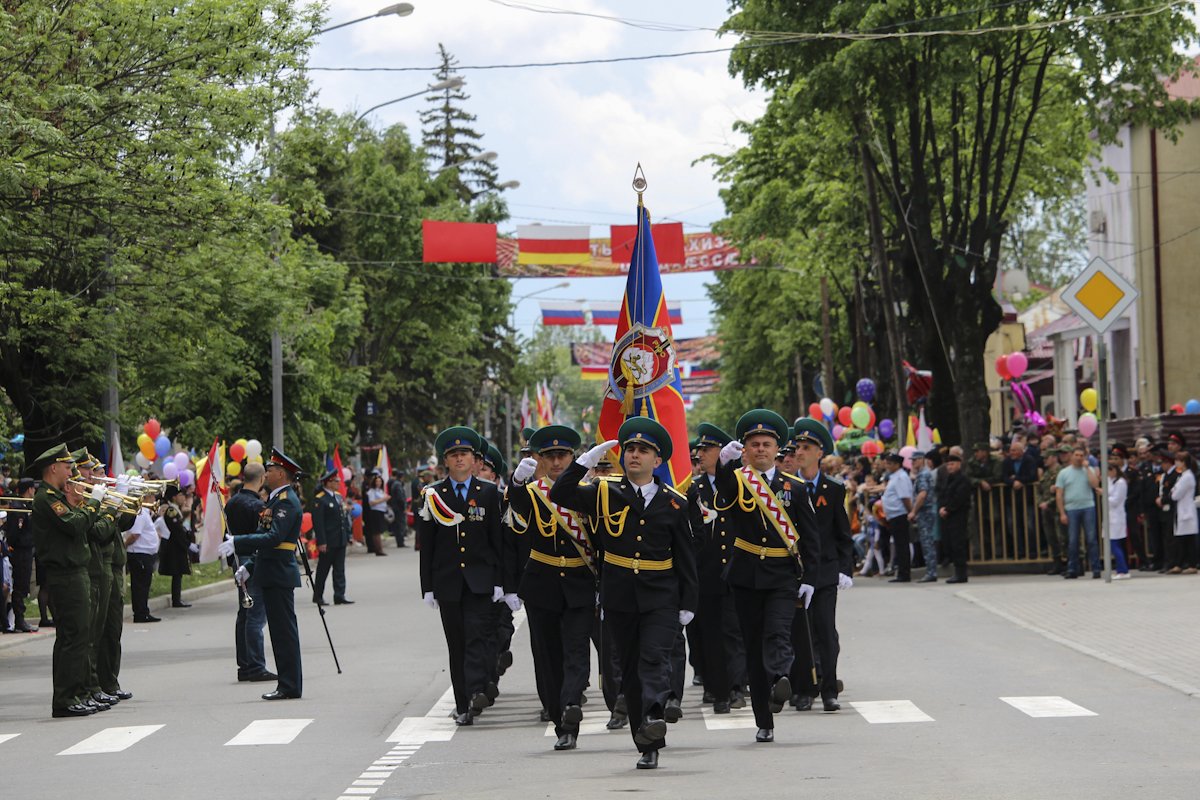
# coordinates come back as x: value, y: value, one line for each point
x: 809, y: 430
x: 495, y: 460
x: 554, y: 437
x: 709, y: 435
x: 646, y: 431
x: 51, y: 456
x: 484, y: 444
x: 460, y: 437
x: 527, y: 432
x: 762, y: 420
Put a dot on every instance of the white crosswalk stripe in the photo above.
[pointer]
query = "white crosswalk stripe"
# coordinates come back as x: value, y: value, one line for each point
x: 737, y: 718
x: 593, y: 722
x: 111, y: 740
x: 269, y: 731
x: 888, y: 711
x: 4, y: 737
x: 1048, y: 706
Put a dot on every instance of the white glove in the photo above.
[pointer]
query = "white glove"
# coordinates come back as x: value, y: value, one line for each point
x: 122, y: 485
x: 731, y: 452
x: 513, y: 602
x: 429, y: 601
x: 806, y: 594
x: 193, y: 548
x: 845, y: 581
x: 525, y: 469
x: 225, y: 548
x: 497, y: 594
x: 241, y: 576
x: 98, y: 492
x: 686, y: 616
x: 592, y: 457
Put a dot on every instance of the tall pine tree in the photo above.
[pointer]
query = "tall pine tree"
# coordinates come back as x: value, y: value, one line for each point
x: 449, y: 139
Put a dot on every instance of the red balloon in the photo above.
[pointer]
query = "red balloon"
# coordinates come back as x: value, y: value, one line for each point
x: 843, y: 416
x: 1002, y: 368
x: 814, y: 411
x: 1177, y: 408
x: 306, y: 523
x: 152, y: 428
x: 237, y: 451
x: 871, y: 422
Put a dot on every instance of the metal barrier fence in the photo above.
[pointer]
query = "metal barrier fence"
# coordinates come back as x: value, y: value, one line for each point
x: 1007, y: 526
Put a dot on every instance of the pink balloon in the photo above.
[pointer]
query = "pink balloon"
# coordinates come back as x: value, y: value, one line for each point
x: 838, y: 430
x: 907, y: 451
x: 1087, y: 424
x: 1017, y: 363
x: 346, y: 473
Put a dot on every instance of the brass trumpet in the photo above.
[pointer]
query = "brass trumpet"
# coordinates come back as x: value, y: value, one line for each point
x: 5, y: 505
x: 125, y: 503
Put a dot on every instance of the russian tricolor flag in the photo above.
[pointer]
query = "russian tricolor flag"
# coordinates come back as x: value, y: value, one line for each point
x: 605, y: 313
x: 562, y: 312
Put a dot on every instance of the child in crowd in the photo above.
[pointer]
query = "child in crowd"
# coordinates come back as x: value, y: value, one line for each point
x: 1117, y: 492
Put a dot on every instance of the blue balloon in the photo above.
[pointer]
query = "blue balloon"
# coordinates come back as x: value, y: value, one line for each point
x: 865, y: 389
x: 162, y: 446
x: 1192, y: 407
x: 355, y: 511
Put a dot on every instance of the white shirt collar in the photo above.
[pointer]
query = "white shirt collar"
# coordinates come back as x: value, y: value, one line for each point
x: 648, y: 491
x: 770, y: 474
x: 277, y: 491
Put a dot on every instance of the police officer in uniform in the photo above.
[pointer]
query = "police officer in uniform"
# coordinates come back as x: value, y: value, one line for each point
x: 648, y: 586
x: 723, y: 656
x: 61, y: 518
x: 776, y: 540
x: 332, y: 528
x: 558, y: 585
x: 275, y: 571
x: 459, y: 533
x: 814, y: 630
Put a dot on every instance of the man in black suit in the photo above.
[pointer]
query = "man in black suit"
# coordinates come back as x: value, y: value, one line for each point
x: 331, y: 525
x: 723, y: 656
x: 243, y: 512
x: 954, y: 495
x: 558, y: 583
x: 814, y: 630
x: 648, y: 574
x: 461, y: 567
x: 775, y: 540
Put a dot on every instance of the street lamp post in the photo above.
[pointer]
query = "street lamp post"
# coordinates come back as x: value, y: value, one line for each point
x: 451, y: 83
x: 396, y: 9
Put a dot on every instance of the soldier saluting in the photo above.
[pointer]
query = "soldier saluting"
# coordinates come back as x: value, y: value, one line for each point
x: 648, y: 586
x: 776, y: 539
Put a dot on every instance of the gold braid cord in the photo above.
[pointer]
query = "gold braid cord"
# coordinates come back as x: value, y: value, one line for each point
x: 606, y: 516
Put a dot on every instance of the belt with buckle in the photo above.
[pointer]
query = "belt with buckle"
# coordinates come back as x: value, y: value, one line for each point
x: 636, y: 564
x: 556, y: 561
x: 286, y: 546
x: 760, y: 551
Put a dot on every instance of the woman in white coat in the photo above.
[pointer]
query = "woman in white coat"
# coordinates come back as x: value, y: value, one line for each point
x: 1118, y: 490
x: 1183, y: 497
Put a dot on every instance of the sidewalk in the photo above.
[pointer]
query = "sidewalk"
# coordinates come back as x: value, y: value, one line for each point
x: 1145, y: 625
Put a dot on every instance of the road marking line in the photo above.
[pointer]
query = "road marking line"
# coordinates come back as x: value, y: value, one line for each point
x: 1050, y: 706
x: 736, y: 718
x: 367, y: 783
x: 111, y: 740
x: 886, y: 711
x: 4, y: 737
x: 269, y: 731
x: 359, y: 791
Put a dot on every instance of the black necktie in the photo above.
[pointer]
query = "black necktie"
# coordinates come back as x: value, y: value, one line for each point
x: 812, y: 489
x: 462, y: 492
x: 641, y: 504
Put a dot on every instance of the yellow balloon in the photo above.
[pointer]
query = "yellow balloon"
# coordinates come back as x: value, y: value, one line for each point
x: 242, y: 442
x: 861, y: 404
x: 233, y: 469
x: 254, y: 459
x: 143, y: 440
x: 1088, y: 399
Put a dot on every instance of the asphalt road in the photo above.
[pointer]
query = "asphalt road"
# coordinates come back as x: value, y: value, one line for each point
x: 924, y: 713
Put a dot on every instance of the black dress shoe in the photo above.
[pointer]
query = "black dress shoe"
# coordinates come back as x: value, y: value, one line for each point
x: 565, y: 742
x: 279, y: 695
x: 900, y: 580
x: 181, y: 604
x: 147, y: 618
x: 831, y: 704
x: 479, y: 701
x: 491, y: 690
x: 781, y: 692
x: 737, y: 699
x: 105, y: 697
x: 616, y: 722
x: 652, y: 730
x: 343, y: 602
x: 708, y: 697
x: 697, y: 679
x: 76, y: 710
x: 319, y: 601
x: 803, y: 702
x: 24, y: 628
x: 464, y: 719
x: 262, y: 677
x: 504, y: 661
x: 673, y: 712
x: 92, y: 704
x: 544, y: 715
x: 721, y: 707
x: 928, y: 579
x: 121, y: 694
x: 572, y: 715
x: 46, y: 623
x: 649, y: 760
x: 765, y: 735
x: 583, y: 698
x: 957, y: 579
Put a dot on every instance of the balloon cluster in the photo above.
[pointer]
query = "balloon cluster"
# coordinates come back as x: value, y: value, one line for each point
x: 154, y: 453
x: 1088, y: 422
x: 1010, y: 368
x: 248, y: 450
x: 850, y: 425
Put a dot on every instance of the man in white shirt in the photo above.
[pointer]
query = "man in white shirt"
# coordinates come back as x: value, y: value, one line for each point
x: 897, y: 502
x: 141, y: 541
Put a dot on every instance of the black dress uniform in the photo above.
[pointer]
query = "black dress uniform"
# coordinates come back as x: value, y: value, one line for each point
x: 647, y: 576
x: 242, y: 513
x: 764, y: 575
x: 332, y: 529
x: 19, y: 534
x: 558, y: 588
x: 461, y: 565
x: 276, y: 573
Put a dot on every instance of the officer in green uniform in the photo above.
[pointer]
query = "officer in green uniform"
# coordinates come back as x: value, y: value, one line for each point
x: 983, y: 475
x: 61, y: 519
x: 1052, y: 529
x: 100, y: 544
x: 331, y: 526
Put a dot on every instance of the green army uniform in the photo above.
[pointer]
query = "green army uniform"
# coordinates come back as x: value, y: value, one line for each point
x: 60, y: 534
x: 985, y: 505
x: 108, y: 650
x: 1053, y: 530
x: 100, y: 545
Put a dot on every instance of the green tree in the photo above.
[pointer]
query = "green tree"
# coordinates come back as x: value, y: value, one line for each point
x: 449, y: 138
x: 951, y: 133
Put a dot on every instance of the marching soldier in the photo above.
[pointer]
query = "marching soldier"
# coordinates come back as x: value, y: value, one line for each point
x: 331, y: 525
x: 461, y: 567
x: 61, y: 518
x: 558, y: 585
x: 723, y: 657
x: 275, y: 570
x: 814, y: 630
x: 494, y: 467
x: 648, y: 578
x: 775, y: 540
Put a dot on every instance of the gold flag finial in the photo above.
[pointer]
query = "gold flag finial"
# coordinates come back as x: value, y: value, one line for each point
x: 639, y: 182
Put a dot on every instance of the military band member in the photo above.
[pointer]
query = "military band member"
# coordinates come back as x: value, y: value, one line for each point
x: 493, y: 469
x: 648, y: 569
x: 331, y: 526
x: 775, y: 541
x: 61, y: 518
x: 814, y: 630
x: 274, y: 570
x: 723, y: 659
x: 558, y: 585
x: 108, y: 651
x: 461, y: 567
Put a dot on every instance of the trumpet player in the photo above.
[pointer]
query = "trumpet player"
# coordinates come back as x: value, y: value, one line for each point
x: 142, y: 543
x: 242, y: 513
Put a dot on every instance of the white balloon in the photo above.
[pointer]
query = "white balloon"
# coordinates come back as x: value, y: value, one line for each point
x: 827, y: 406
x: 253, y: 448
x: 142, y: 461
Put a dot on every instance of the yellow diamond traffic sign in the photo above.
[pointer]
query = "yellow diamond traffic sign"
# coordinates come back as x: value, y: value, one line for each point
x: 1099, y: 295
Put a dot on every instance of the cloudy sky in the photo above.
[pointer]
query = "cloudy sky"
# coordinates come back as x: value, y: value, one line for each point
x: 571, y: 135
